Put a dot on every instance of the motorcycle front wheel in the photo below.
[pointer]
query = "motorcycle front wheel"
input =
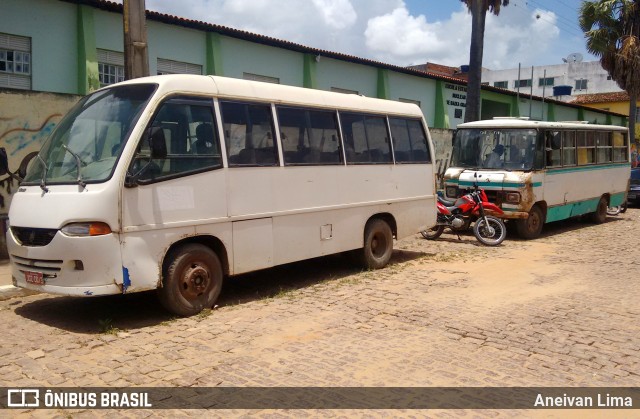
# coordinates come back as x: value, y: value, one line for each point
x: 490, y: 233
x: 433, y: 232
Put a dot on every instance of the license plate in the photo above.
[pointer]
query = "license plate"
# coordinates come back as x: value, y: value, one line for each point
x: 34, y: 278
x: 631, y: 196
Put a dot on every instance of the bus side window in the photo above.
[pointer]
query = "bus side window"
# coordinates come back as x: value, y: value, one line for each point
x: 553, y: 146
x: 249, y: 134
x: 187, y: 126
x: 409, y: 141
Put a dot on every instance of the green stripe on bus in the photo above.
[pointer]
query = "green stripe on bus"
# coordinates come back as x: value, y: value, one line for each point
x: 562, y: 212
x: 505, y: 184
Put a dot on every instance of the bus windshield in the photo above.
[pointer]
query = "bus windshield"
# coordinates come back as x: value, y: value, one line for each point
x: 88, y: 141
x: 510, y: 149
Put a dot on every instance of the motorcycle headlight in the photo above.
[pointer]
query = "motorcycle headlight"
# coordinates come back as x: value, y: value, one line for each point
x: 86, y: 229
x: 452, y: 192
x: 512, y: 197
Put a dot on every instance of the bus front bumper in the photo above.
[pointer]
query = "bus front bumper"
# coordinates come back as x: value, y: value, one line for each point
x: 78, y: 266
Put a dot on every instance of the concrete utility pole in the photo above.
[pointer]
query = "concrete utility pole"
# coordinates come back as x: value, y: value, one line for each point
x: 136, y: 57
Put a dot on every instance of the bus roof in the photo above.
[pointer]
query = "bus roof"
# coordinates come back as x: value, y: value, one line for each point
x: 521, y: 123
x: 239, y: 89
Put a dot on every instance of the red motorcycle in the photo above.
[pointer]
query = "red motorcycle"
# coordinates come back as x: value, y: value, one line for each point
x: 457, y: 215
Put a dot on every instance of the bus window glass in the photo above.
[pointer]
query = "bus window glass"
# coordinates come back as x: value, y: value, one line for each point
x: 365, y: 139
x: 569, y: 148
x: 188, y: 129
x: 495, y: 149
x: 586, y: 147
x: 95, y: 130
x: 248, y: 134
x: 309, y: 136
x: 604, y: 147
x: 553, y: 147
x: 409, y: 141
x: 620, y: 153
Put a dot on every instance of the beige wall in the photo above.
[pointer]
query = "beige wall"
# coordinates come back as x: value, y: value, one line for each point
x: 26, y: 120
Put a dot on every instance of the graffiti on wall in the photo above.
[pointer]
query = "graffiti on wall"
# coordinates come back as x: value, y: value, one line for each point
x: 21, y: 138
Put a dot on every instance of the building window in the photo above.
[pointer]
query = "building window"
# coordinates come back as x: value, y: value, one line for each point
x: 522, y: 83
x: 415, y: 102
x: 110, y: 67
x: 581, y: 84
x: 15, y: 61
x: 177, y: 67
x: 346, y: 91
x: 549, y: 81
x: 501, y: 84
x: 484, y: 83
x: 258, y: 77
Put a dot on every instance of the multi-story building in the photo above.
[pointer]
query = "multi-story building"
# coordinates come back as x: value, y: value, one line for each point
x: 572, y: 78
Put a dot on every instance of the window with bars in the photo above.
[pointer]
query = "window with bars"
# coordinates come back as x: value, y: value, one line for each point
x: 581, y: 84
x: 546, y: 81
x: 15, y: 61
x: 501, y: 84
x: 110, y: 67
x: 522, y: 83
x: 177, y: 67
x: 258, y: 77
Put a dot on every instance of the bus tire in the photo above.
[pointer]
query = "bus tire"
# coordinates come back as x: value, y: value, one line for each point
x: 531, y: 227
x: 378, y: 244
x: 600, y: 215
x: 191, y: 279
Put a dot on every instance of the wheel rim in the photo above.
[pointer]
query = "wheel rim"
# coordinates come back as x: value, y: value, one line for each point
x: 195, y: 281
x: 533, y: 221
x: 378, y: 245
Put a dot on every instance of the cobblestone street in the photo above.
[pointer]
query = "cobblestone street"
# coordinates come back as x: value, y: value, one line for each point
x: 558, y: 311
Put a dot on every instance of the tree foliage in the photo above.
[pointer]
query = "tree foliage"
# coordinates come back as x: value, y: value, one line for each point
x: 612, y: 31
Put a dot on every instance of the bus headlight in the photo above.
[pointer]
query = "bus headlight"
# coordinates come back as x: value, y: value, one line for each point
x: 512, y: 197
x: 452, y: 192
x: 86, y: 229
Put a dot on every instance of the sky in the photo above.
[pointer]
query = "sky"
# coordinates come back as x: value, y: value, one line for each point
x: 402, y: 32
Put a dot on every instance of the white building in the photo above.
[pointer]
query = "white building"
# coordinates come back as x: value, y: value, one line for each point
x: 579, y: 78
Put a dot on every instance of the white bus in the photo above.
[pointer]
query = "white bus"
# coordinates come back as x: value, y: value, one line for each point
x: 174, y: 182
x: 539, y: 172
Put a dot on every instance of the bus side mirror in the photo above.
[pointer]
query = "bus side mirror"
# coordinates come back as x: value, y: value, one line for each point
x: 453, y: 137
x: 4, y: 162
x: 157, y: 143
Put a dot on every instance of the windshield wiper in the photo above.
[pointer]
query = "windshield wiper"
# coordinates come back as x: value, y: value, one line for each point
x: 78, y: 165
x: 43, y: 184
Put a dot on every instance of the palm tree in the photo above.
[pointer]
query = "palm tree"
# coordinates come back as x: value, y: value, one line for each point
x: 478, y: 10
x: 612, y: 30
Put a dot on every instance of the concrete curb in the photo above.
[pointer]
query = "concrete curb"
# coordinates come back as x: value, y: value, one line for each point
x: 9, y: 291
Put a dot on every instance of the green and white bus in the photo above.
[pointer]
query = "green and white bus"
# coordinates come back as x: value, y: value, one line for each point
x: 539, y: 172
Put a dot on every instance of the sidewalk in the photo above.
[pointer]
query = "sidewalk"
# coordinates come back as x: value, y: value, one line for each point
x: 7, y: 290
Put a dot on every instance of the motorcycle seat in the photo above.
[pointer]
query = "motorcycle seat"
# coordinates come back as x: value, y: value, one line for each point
x: 446, y: 202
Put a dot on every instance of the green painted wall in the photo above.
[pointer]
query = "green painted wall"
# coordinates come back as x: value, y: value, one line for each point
x: 175, y: 43
x: 409, y: 87
x: 52, y: 26
x: 242, y: 56
x: 334, y: 73
x: 109, y: 30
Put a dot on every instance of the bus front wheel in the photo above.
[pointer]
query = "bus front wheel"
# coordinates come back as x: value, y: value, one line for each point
x: 531, y: 227
x: 191, y: 279
x: 378, y: 244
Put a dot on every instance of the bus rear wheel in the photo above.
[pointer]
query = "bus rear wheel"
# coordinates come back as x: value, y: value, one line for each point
x: 531, y: 227
x: 600, y: 216
x: 191, y: 280
x: 378, y: 244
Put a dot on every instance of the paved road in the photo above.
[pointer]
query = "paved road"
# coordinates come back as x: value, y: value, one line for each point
x: 560, y: 311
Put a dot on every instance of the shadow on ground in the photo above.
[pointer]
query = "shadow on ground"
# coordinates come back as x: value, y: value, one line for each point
x: 96, y: 315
